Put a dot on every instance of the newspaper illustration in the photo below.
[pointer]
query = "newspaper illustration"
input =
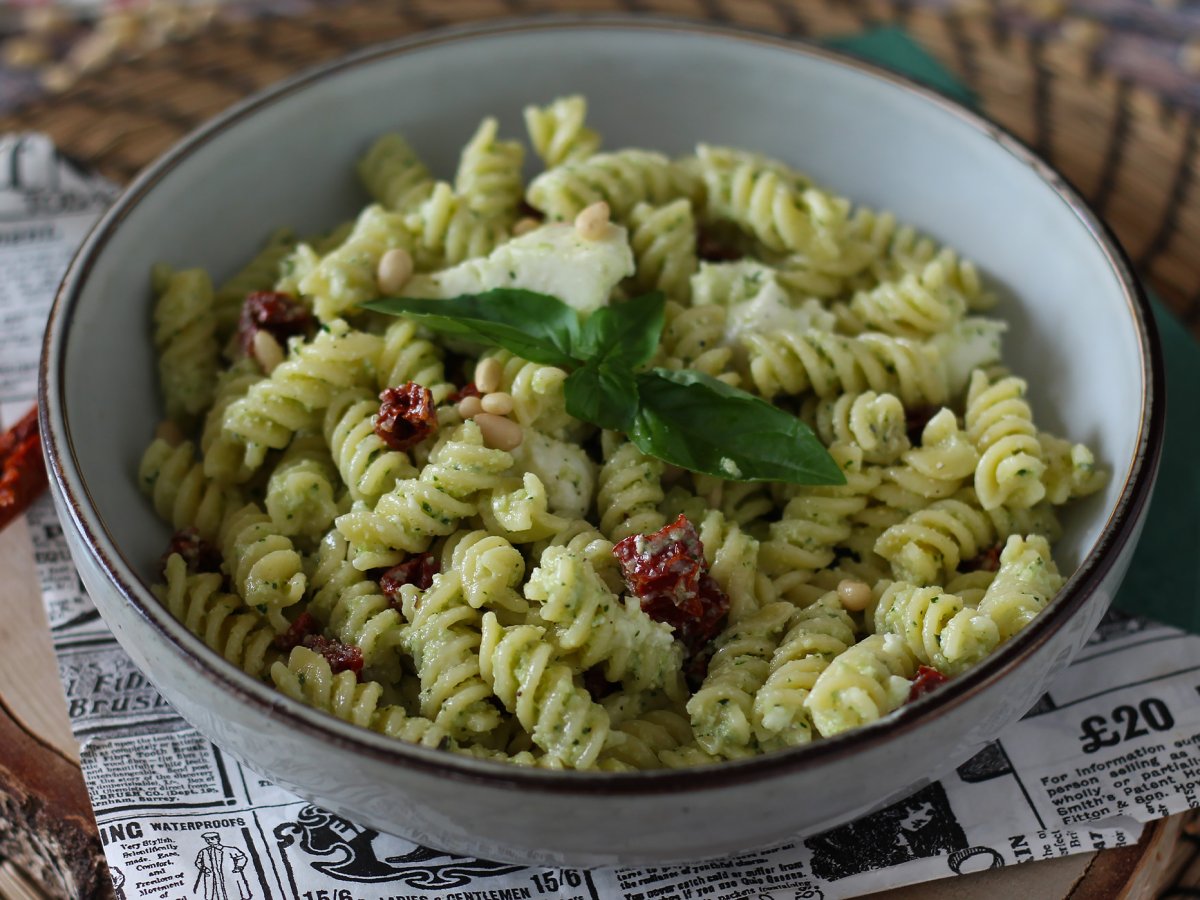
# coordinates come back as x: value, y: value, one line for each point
x: 1113, y: 744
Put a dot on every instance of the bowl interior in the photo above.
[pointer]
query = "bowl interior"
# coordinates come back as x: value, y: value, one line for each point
x: 291, y: 162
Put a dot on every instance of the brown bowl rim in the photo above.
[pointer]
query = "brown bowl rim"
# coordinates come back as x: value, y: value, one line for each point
x: 1117, y: 531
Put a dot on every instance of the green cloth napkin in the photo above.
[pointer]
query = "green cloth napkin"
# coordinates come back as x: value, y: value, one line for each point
x: 1164, y: 577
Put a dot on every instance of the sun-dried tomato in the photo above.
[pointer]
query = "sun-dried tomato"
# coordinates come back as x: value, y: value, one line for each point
x: 467, y: 390
x: 926, y: 680
x: 915, y: 420
x: 664, y: 566
x: 22, y: 470
x: 406, y: 416
x: 666, y: 571
x: 987, y: 561
x: 198, y: 554
x: 416, y: 570
x: 304, y: 626
x: 277, y: 313
x: 341, y: 657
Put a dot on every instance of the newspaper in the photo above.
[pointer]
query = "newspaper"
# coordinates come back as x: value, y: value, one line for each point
x: 1113, y: 744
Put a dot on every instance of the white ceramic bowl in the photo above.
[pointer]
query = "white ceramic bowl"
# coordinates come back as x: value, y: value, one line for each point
x: 1081, y: 332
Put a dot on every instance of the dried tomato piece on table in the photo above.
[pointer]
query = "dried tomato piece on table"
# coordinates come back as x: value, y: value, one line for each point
x: 406, y: 416
x: 22, y: 470
x: 927, y: 679
x: 666, y: 571
x: 279, y: 314
x: 417, y: 570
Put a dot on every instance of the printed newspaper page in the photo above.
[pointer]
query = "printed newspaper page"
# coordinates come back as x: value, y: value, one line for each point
x: 1113, y: 744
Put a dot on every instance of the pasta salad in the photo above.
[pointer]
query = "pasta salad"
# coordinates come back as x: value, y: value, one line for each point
x: 646, y: 463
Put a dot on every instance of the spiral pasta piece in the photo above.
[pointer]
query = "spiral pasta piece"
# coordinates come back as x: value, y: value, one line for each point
x: 1026, y: 581
x: 393, y: 174
x: 647, y: 737
x: 416, y: 510
x: 185, y: 336
x: 915, y: 306
x: 537, y: 392
x: 694, y: 338
x: 447, y: 230
x: 264, y: 567
x: 830, y: 364
x: 814, y: 522
x: 591, y: 626
x: 732, y: 557
x: 936, y: 626
x: 583, y: 539
x: 368, y: 467
x: 935, y: 470
x: 259, y: 274
x: 663, y: 239
x: 775, y: 204
x: 308, y: 678
x: 346, y: 276
x: 225, y: 625
x: 489, y: 173
x: 1070, y: 469
x: 225, y: 455
x: 541, y: 692
x: 630, y: 491
x: 909, y: 252
x: 181, y: 493
x: 722, y: 709
x: 519, y: 511
x: 405, y: 357
x: 558, y: 133
x: 333, y: 578
x: 443, y: 638
x: 491, y: 569
x: 300, y: 492
x: 1000, y: 424
x: 816, y: 635
x: 861, y: 685
x: 295, y: 395
x: 622, y: 180
x: 874, y: 422
x: 928, y: 545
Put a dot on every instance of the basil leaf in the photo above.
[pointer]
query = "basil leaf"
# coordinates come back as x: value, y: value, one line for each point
x: 602, y: 395
x: 627, y: 334
x: 691, y: 420
x: 534, y: 326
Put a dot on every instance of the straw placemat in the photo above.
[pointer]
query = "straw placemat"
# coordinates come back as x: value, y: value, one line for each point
x: 1091, y: 90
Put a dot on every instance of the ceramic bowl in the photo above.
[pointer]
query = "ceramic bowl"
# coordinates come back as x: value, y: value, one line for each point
x: 1080, y: 331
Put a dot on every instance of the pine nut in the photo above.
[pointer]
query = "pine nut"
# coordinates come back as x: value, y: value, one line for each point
x: 469, y: 407
x: 267, y: 350
x: 395, y: 268
x: 525, y: 225
x: 169, y: 431
x: 592, y: 223
x: 498, y: 403
x: 855, y: 595
x: 488, y: 374
x: 498, y: 432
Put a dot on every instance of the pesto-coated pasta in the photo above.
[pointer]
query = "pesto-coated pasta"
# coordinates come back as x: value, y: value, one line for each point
x: 412, y: 530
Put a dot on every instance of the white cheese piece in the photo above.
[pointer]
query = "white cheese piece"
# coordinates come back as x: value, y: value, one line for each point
x: 552, y: 259
x: 565, y: 469
x: 972, y: 343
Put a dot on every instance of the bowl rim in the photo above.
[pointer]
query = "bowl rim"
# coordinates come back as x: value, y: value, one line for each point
x: 76, y: 500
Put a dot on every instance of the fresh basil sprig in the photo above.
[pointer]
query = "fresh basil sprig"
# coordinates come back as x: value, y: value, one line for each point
x: 682, y: 417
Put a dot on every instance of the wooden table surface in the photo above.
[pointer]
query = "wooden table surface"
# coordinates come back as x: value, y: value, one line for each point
x: 1107, y: 89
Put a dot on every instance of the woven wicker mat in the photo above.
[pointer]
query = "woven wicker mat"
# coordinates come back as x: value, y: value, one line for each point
x: 1132, y: 153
